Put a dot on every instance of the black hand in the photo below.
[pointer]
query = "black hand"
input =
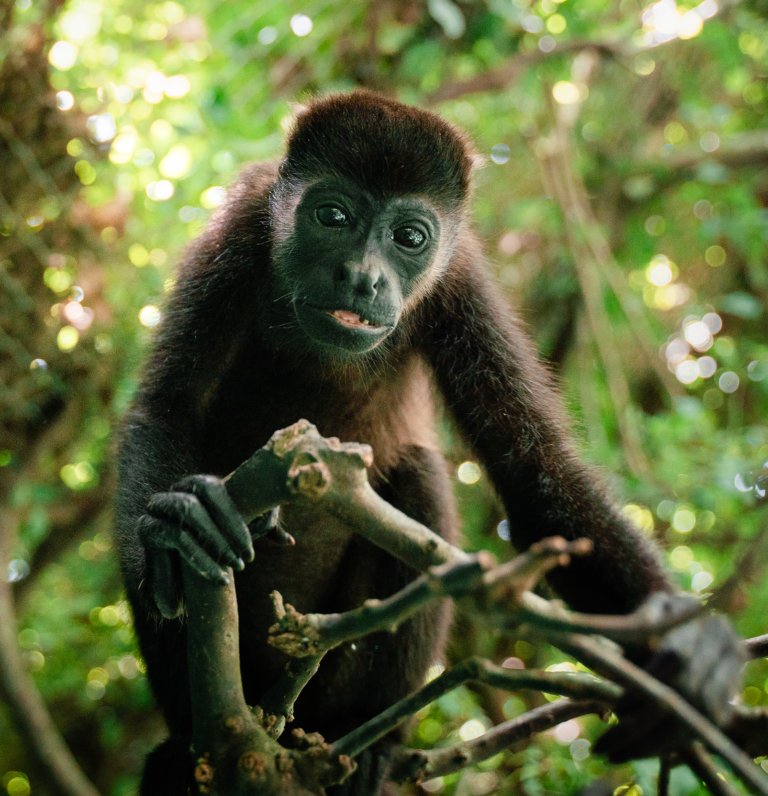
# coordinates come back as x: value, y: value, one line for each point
x: 197, y: 520
x: 702, y: 659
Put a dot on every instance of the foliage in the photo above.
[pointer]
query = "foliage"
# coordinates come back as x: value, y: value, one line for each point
x: 168, y: 101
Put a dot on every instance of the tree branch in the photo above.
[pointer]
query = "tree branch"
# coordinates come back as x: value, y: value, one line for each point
x: 609, y: 662
x: 419, y: 765
x: 577, y: 686
x: 28, y: 707
x: 757, y: 647
x: 233, y: 750
x: 503, y: 77
x: 297, y: 464
x: 233, y: 744
x: 703, y: 766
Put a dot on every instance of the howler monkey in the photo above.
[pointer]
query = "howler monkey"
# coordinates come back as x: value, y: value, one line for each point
x: 340, y: 285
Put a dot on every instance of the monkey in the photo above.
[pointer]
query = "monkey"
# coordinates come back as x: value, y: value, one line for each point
x: 343, y: 284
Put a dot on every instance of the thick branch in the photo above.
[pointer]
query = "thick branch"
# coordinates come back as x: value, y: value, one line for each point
x: 297, y: 463
x: 234, y: 753
x: 745, y: 149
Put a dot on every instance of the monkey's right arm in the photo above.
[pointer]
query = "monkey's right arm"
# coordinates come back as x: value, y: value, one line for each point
x: 165, y: 515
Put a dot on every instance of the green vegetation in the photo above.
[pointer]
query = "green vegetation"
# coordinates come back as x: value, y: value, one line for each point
x: 624, y: 204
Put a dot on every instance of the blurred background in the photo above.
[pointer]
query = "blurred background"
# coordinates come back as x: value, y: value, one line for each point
x: 623, y: 206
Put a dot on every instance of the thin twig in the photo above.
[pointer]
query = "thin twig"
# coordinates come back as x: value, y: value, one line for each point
x: 576, y: 686
x: 507, y: 75
x: 635, y: 627
x: 703, y: 766
x: 336, y: 472
x: 552, y: 158
x: 665, y: 772
x: 757, y: 647
x: 419, y: 765
x: 310, y: 634
x: 281, y: 698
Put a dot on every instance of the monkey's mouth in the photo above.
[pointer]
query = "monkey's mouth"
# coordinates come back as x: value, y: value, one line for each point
x: 351, y: 320
x: 342, y: 330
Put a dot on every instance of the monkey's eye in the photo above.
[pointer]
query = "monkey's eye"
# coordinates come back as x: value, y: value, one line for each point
x: 332, y: 216
x: 409, y: 237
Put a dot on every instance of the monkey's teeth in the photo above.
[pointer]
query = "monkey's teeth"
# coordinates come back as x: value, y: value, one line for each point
x: 350, y: 319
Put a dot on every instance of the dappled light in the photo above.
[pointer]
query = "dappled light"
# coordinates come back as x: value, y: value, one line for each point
x: 621, y: 194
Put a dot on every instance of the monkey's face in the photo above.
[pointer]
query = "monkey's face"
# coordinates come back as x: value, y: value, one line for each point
x: 351, y: 262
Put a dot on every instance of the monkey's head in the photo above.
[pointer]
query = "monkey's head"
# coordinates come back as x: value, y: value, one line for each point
x: 369, y: 203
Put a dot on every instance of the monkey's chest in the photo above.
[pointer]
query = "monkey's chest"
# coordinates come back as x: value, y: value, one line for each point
x: 328, y: 570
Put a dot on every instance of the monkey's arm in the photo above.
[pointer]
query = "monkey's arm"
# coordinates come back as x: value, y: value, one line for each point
x: 504, y: 404
x: 162, y: 515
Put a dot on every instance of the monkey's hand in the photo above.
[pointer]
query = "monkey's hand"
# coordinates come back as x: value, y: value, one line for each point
x: 197, y: 521
x: 703, y: 660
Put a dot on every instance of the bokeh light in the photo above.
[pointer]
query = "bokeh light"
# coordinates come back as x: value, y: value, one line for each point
x: 177, y: 162
x: 565, y: 92
x: 639, y: 516
x: 697, y: 333
x: 267, y: 35
x: 468, y: 473
x: 701, y: 580
x: 500, y: 153
x: 715, y: 256
x: 659, y: 273
x: 213, y: 197
x: 567, y: 732
x: 471, y: 729
x: 67, y: 338
x: 728, y: 382
x: 160, y: 190
x: 150, y: 316
x: 64, y: 100
x: 681, y: 556
x: 301, y: 24
x: 687, y: 371
x: 63, y: 55
x: 684, y: 520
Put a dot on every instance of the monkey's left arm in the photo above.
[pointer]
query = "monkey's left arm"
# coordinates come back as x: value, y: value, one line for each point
x: 506, y: 407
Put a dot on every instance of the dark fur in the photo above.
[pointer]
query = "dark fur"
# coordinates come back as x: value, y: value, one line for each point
x: 230, y: 366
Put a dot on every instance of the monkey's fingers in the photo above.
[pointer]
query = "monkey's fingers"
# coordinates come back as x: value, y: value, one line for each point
x: 165, y: 583
x: 647, y: 732
x: 212, y: 493
x: 715, y: 668
x: 160, y: 534
x: 184, y: 509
